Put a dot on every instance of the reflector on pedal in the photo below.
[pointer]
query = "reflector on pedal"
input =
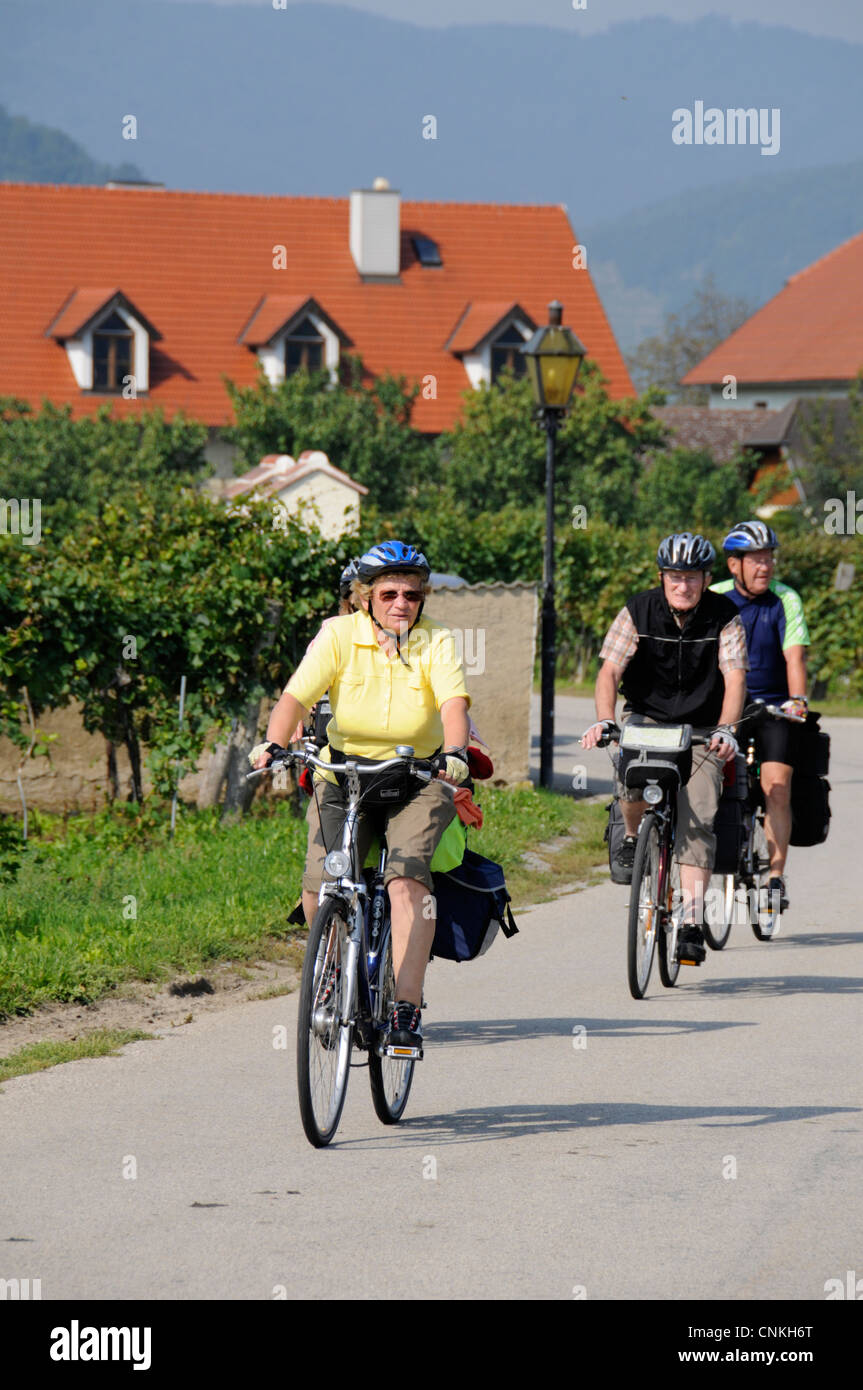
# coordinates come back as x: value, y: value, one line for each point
x: 412, y: 1053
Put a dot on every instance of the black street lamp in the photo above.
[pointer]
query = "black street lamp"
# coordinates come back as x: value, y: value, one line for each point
x: 554, y: 356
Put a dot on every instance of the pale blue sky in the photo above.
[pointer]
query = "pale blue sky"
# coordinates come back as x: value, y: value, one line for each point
x: 841, y: 19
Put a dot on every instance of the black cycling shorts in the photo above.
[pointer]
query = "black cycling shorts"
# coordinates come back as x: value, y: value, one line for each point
x: 778, y: 741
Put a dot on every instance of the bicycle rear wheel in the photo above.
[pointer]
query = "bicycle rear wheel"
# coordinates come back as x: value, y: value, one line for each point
x: 762, y: 918
x: 719, y: 910
x: 389, y: 1077
x: 644, y: 911
x: 324, y: 1039
x: 669, y: 965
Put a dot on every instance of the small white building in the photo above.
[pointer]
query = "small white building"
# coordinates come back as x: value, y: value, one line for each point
x: 310, y: 481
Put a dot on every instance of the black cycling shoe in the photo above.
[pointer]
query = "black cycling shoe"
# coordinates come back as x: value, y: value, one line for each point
x: 405, y: 1032
x: 777, y: 885
x: 625, y: 857
x: 690, y: 945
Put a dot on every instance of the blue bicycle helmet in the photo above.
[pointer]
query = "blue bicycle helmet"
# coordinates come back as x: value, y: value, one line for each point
x: 685, y: 551
x: 390, y: 556
x: 750, y: 535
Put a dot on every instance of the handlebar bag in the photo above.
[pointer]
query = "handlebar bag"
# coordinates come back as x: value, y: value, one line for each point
x: 659, y: 753
x: 391, y: 788
x: 472, y: 906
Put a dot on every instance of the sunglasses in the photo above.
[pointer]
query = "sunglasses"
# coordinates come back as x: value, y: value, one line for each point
x: 390, y: 595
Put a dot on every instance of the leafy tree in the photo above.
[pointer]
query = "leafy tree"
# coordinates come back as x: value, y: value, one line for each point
x: 482, y: 547
x: 363, y: 429
x: 77, y: 467
x: 829, y: 466
x: 686, y: 489
x: 115, y: 614
x: 495, y: 455
x: 664, y: 359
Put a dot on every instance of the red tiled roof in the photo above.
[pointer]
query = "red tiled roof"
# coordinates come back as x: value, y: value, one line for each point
x: 811, y: 331
x: 199, y: 264
x: 79, y: 309
x: 272, y: 314
x: 478, y: 321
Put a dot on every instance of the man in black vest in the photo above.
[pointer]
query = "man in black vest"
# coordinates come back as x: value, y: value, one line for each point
x: 678, y: 654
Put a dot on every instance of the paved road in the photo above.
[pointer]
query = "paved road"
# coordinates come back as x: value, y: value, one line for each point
x: 561, y: 1138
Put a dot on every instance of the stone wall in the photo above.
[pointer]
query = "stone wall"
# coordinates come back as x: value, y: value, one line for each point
x: 495, y: 626
x: 497, y: 623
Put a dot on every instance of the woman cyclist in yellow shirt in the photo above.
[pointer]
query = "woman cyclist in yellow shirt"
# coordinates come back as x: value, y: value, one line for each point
x: 394, y: 678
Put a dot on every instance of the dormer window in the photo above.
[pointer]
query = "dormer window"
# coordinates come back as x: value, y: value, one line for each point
x: 506, y: 352
x: 290, y: 332
x: 112, y: 353
x: 107, y: 341
x: 304, y: 347
x: 488, y: 338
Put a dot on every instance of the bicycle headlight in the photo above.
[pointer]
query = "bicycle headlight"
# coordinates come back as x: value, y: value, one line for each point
x: 337, y: 863
x: 652, y: 794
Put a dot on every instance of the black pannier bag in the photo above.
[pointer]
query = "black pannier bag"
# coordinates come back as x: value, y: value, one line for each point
x: 614, y: 834
x: 472, y: 905
x: 731, y: 826
x: 814, y: 748
x: 810, y: 809
x: 810, y: 790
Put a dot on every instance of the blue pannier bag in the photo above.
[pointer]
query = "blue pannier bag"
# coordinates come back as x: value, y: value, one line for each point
x: 472, y: 904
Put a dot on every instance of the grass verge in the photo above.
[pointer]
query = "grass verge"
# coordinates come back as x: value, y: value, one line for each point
x: 99, y: 1042
x: 103, y: 900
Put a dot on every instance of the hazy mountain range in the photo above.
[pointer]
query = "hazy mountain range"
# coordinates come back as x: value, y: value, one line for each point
x: 317, y: 100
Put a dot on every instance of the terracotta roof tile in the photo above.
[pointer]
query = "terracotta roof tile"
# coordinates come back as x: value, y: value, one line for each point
x: 478, y: 320
x: 811, y: 331
x: 197, y: 264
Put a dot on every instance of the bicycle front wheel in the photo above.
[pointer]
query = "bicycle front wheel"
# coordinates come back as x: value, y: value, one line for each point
x: 669, y: 965
x: 324, y: 1034
x: 644, y: 908
x: 390, y: 1077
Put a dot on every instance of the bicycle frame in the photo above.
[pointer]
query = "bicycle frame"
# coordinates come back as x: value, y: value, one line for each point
x: 363, y: 955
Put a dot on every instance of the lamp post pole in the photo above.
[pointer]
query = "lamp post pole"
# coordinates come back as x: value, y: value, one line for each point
x: 554, y: 356
x: 551, y: 423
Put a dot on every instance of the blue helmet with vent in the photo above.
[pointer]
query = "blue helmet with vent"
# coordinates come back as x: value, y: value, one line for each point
x: 750, y: 535
x: 390, y: 556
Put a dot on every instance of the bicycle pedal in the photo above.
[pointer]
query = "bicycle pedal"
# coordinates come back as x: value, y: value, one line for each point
x: 410, y: 1054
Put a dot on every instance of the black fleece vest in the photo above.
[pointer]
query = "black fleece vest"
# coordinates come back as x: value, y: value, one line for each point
x: 674, y: 675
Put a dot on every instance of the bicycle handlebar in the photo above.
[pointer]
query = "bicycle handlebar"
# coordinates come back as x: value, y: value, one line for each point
x: 613, y: 736
x: 422, y: 768
x: 775, y: 712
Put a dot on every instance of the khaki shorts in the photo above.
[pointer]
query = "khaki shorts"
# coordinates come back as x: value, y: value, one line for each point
x: 697, y: 803
x: 413, y: 832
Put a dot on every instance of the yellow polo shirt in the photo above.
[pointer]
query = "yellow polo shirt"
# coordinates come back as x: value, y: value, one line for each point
x: 377, y: 701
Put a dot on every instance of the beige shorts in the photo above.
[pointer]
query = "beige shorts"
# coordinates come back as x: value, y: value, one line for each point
x: 413, y: 832
x: 696, y: 805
